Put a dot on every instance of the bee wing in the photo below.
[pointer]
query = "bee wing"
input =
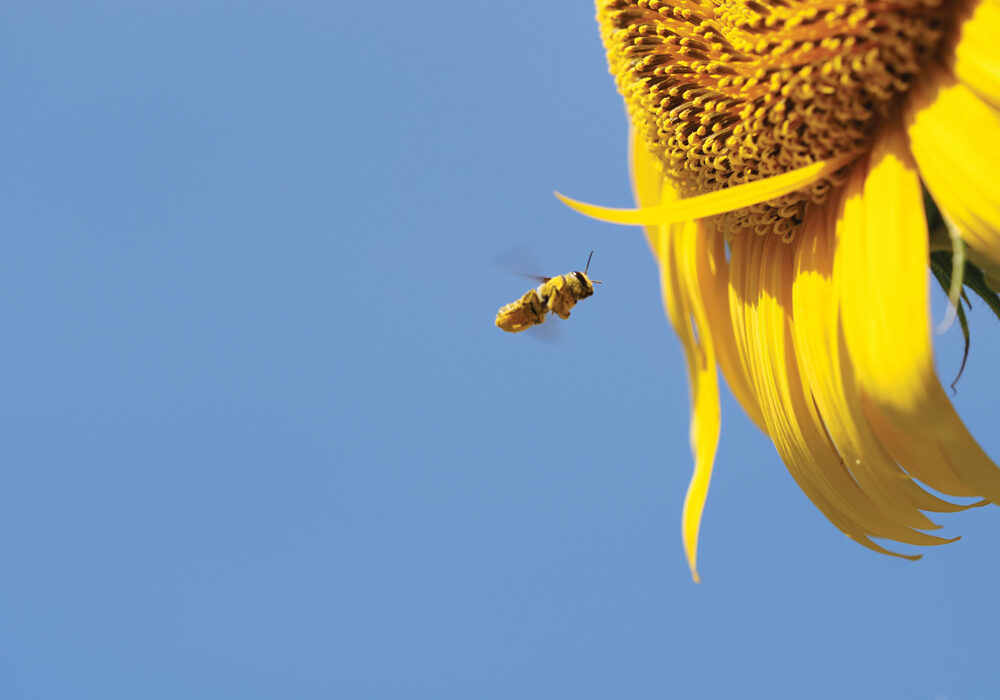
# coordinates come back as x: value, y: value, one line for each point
x: 537, y: 278
x: 519, y: 258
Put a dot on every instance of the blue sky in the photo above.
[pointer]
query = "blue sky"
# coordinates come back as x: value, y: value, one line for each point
x: 262, y: 439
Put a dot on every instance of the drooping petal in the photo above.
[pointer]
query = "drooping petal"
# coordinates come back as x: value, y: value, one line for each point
x: 694, y: 280
x: 762, y: 308
x: 713, y: 286
x: 955, y: 139
x: 685, y: 308
x: 711, y: 275
x: 690, y: 321
x: 761, y: 304
x: 826, y: 367
x: 881, y: 275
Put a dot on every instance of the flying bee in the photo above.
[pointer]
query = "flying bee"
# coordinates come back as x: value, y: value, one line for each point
x: 555, y: 294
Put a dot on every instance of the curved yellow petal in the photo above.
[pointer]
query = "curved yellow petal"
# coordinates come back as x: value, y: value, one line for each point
x: 718, y: 202
x: 974, y: 54
x: 955, y: 139
x: 882, y: 282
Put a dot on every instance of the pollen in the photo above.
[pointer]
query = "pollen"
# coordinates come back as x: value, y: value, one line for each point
x: 731, y: 91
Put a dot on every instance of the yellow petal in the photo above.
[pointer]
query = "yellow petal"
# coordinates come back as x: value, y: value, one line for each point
x: 974, y: 55
x: 648, y: 185
x: 694, y: 279
x: 715, y: 202
x: 821, y: 351
x: 689, y: 319
x: 713, y: 287
x: 882, y: 282
x: 673, y: 246
x: 712, y: 272
x: 955, y: 139
x: 762, y: 269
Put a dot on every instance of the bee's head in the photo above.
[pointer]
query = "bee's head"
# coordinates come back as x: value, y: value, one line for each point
x: 586, y: 284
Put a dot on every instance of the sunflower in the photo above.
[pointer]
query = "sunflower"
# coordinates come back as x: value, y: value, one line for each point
x: 798, y: 166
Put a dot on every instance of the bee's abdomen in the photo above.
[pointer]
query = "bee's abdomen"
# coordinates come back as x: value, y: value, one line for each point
x: 522, y: 314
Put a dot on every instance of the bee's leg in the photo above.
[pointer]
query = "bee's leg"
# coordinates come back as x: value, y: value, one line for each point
x: 561, y: 304
x: 536, y: 305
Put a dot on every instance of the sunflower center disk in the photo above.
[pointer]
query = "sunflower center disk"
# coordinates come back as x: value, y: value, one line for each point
x: 730, y: 91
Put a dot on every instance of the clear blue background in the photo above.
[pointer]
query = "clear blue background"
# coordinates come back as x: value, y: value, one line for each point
x: 260, y: 437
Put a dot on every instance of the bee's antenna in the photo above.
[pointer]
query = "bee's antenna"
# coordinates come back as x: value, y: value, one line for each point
x: 588, y: 267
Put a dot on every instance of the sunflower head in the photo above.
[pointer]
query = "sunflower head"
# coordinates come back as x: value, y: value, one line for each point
x: 726, y: 92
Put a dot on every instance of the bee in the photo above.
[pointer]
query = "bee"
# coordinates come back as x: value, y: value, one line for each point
x: 555, y: 294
